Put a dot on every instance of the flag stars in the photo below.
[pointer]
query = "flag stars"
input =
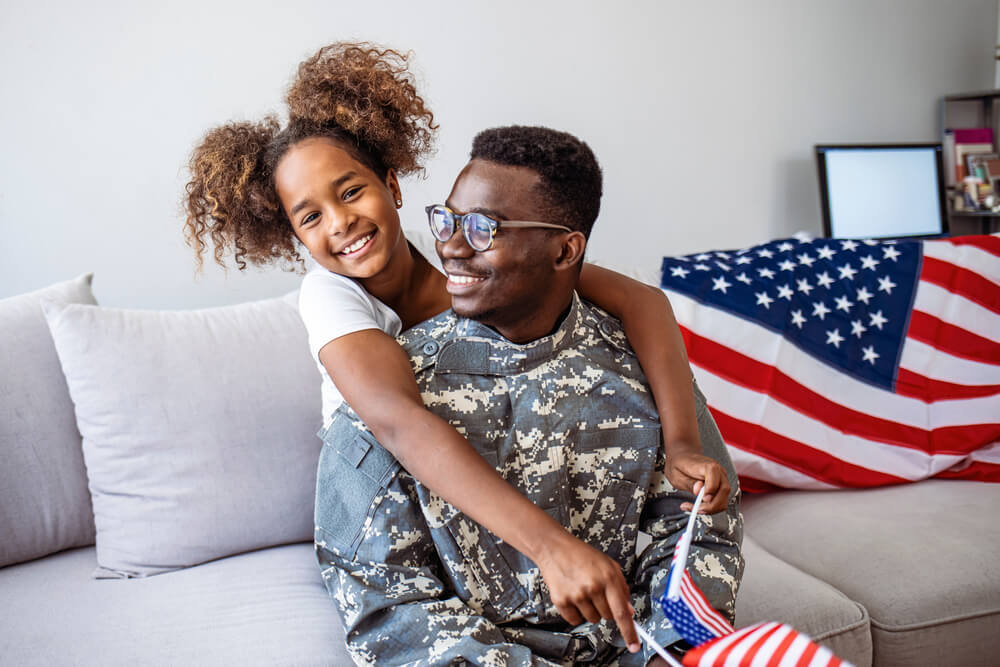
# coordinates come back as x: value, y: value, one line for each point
x: 804, y: 286
x: 723, y: 255
x: 888, y: 252
x: 701, y: 257
x: 877, y: 319
x: 721, y: 284
x: 885, y: 285
x: 702, y: 267
x: 766, y: 273
x: 764, y: 252
x: 870, y: 355
x: 806, y: 260
x: 847, y: 272
x: 864, y: 295
x: 869, y: 262
x: 797, y: 318
x: 820, y: 310
x: 857, y: 328
x: 834, y: 338
x: 723, y: 266
x: 763, y: 299
x: 824, y: 280
x: 844, y: 304
x: 785, y: 246
x: 679, y: 272
x: 785, y: 292
x: 848, y: 245
x: 826, y: 252
x: 744, y: 260
x: 787, y: 265
x: 743, y: 278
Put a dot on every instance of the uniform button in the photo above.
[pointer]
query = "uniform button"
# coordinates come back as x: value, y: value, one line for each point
x: 430, y: 348
x: 608, y: 327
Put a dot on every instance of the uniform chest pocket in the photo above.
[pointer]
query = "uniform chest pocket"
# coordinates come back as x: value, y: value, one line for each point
x: 354, y: 472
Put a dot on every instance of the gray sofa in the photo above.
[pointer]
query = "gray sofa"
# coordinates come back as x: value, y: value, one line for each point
x: 906, y: 575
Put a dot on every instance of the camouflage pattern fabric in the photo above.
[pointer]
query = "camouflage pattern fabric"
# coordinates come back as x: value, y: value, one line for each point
x: 569, y: 421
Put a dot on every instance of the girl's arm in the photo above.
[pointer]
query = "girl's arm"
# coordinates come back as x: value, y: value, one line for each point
x: 653, y: 332
x: 373, y: 373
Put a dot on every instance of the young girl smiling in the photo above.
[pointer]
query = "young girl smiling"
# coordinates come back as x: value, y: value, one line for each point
x: 329, y: 181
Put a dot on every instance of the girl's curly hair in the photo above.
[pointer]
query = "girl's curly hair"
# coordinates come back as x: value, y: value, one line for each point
x: 359, y: 95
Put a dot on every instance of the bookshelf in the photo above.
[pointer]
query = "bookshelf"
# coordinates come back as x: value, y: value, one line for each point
x: 965, y: 111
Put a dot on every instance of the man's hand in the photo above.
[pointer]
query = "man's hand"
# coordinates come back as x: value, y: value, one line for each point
x: 586, y: 584
x: 688, y: 472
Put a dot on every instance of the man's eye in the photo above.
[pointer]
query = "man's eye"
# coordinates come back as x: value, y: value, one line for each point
x: 351, y: 192
x: 309, y: 219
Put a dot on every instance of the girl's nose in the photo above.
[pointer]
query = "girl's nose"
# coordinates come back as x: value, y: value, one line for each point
x: 340, y: 222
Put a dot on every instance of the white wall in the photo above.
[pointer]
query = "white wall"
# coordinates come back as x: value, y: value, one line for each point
x: 703, y: 114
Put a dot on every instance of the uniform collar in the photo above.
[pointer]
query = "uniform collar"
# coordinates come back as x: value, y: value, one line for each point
x: 473, y: 347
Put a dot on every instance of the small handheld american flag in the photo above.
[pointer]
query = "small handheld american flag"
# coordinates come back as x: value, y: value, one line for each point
x: 715, y: 641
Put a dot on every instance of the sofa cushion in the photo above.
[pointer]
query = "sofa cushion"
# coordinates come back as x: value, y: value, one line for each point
x: 921, y: 558
x: 43, y: 483
x: 199, y: 429
x: 266, y: 607
x: 773, y: 590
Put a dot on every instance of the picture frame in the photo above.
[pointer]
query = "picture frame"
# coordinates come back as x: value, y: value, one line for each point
x: 988, y: 162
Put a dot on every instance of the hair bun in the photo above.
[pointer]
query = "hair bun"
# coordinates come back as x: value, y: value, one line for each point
x: 369, y: 92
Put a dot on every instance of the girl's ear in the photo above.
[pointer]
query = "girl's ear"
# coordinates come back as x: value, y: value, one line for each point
x: 392, y: 183
x: 571, y: 251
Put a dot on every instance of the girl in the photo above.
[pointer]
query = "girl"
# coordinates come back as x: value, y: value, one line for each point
x: 355, y: 124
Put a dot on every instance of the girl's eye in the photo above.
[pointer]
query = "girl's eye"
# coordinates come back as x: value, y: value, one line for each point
x: 309, y: 219
x: 351, y: 192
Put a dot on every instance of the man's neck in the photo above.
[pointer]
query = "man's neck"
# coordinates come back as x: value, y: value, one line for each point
x: 543, y: 322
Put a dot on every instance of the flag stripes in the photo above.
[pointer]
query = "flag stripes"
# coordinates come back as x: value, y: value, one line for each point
x: 795, y: 419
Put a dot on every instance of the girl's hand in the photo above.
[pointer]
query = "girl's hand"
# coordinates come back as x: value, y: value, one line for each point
x: 689, y: 471
x: 586, y: 584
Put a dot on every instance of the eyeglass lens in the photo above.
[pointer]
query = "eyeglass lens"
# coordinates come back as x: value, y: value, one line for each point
x: 476, y: 227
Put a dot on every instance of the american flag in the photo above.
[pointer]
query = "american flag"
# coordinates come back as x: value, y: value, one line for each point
x: 683, y: 603
x: 762, y: 645
x: 715, y: 642
x: 841, y: 363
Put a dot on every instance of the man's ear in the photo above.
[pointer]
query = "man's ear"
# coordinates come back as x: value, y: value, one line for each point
x: 571, y: 251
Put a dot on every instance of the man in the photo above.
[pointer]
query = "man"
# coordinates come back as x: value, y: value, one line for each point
x: 548, y: 390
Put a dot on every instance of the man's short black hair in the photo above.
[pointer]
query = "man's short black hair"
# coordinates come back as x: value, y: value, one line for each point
x: 571, y: 179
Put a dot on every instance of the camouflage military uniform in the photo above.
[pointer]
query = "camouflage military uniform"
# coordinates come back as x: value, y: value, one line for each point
x: 566, y: 419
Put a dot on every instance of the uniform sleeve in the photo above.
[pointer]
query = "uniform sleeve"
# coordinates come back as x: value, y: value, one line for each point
x: 715, y: 561
x: 387, y: 583
x: 332, y: 306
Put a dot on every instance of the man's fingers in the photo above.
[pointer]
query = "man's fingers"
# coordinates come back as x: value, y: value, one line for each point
x: 622, y: 612
x: 588, y: 610
x: 570, y: 614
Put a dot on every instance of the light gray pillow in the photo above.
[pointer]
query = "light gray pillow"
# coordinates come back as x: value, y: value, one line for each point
x: 199, y: 429
x: 44, y: 504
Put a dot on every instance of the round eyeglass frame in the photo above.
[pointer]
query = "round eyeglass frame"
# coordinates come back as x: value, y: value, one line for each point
x: 468, y: 220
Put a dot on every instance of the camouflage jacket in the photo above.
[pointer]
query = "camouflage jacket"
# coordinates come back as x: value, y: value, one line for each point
x: 566, y: 419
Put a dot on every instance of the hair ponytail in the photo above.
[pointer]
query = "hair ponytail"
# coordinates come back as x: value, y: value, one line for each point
x: 230, y: 197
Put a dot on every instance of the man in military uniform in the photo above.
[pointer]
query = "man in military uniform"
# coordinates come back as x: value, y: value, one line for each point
x: 550, y: 393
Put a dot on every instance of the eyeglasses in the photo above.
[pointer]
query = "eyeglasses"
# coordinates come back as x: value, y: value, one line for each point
x: 477, y: 228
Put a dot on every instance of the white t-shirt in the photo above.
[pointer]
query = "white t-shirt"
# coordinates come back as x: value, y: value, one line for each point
x: 332, y: 305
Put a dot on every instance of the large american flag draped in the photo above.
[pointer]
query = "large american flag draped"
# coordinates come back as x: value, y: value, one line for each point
x: 841, y: 363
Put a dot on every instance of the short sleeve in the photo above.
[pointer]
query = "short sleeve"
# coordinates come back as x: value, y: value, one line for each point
x: 332, y: 306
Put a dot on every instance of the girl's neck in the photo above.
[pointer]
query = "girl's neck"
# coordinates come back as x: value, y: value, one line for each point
x: 409, y: 285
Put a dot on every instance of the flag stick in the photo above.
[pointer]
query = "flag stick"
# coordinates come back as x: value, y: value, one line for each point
x: 646, y: 637
x: 680, y: 561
